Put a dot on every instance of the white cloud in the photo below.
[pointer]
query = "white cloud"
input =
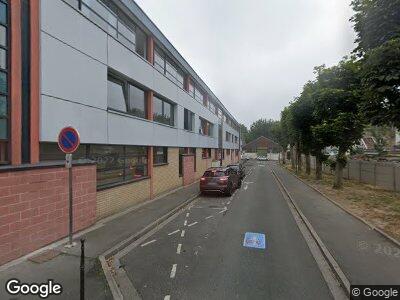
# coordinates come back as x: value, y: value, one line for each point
x: 255, y: 55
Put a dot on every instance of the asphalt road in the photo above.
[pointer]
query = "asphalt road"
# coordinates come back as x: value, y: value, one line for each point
x: 200, y: 254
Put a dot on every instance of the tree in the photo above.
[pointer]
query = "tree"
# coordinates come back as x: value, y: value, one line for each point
x: 337, y: 105
x: 377, y: 25
x: 263, y: 127
x: 381, y: 84
x: 244, y: 132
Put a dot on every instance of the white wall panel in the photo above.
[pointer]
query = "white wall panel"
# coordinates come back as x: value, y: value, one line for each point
x: 56, y: 114
x: 71, y: 75
x: 63, y: 22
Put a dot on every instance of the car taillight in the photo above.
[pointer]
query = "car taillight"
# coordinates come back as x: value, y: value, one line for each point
x: 223, y: 179
x: 202, y: 179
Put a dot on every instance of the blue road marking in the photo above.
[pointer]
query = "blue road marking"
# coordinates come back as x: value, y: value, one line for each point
x: 254, y: 240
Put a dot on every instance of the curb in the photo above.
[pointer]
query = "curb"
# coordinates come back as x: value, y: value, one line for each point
x: 373, y: 227
x: 325, y: 251
x: 112, y: 283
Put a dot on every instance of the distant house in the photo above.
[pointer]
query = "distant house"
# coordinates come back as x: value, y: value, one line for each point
x: 262, y: 145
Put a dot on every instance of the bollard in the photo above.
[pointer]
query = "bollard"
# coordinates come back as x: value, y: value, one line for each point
x: 82, y: 270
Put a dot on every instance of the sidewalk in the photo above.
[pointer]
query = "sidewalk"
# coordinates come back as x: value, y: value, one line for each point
x: 64, y: 268
x: 364, y: 255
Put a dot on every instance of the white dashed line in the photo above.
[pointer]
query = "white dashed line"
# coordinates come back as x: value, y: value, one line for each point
x: 229, y: 202
x: 173, y: 271
x: 150, y: 242
x: 173, y: 232
x: 183, y: 233
x: 222, y: 211
x: 209, y: 217
x: 187, y: 215
x: 194, y: 223
x: 168, y: 297
x: 178, y: 250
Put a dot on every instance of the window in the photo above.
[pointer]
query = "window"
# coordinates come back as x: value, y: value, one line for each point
x: 180, y: 79
x: 159, y: 60
x: 206, y: 153
x: 137, y: 102
x: 211, y: 106
x: 188, y: 122
x: 191, y: 88
x: 141, y: 42
x: 116, y: 94
x: 228, y: 152
x: 118, y: 163
x: 206, y: 128
x: 170, y: 70
x: 163, y: 112
x: 227, y: 136
x: 4, y: 130
x: 198, y: 95
x: 160, y: 155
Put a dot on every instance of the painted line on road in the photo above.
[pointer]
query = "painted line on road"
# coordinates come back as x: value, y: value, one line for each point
x: 209, y: 217
x: 245, y: 187
x: 173, y: 271
x: 229, y: 202
x: 173, y: 232
x: 178, y: 249
x: 194, y: 223
x: 185, y: 223
x: 183, y: 233
x: 187, y: 215
x: 168, y: 297
x: 148, y: 243
x: 222, y: 211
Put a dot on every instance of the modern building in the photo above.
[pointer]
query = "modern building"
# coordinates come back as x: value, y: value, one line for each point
x: 148, y: 123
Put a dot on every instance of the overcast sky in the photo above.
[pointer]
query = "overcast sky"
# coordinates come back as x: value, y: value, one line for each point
x: 256, y: 54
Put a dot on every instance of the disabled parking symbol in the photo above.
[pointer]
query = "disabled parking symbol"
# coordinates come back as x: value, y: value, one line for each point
x: 254, y: 240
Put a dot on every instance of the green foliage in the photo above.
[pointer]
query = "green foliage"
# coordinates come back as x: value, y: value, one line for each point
x: 264, y: 127
x: 375, y: 22
x: 381, y: 84
x: 337, y: 101
x: 244, y: 132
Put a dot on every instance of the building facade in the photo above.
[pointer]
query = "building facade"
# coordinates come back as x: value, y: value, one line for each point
x: 148, y: 123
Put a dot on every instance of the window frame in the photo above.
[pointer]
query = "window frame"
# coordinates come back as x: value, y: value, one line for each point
x: 172, y: 112
x: 164, y: 156
x: 5, y: 142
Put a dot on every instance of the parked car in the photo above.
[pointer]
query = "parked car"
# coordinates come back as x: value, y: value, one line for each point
x: 219, y: 180
x: 262, y: 158
x: 240, y: 169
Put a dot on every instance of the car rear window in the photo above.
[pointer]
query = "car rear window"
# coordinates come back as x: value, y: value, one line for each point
x: 214, y: 174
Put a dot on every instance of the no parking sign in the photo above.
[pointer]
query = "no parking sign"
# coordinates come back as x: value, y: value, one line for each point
x: 68, y: 140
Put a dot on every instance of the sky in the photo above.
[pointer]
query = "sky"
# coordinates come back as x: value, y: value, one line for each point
x: 255, y: 55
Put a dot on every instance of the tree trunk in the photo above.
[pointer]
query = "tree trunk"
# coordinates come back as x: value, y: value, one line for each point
x: 298, y: 160
x: 292, y: 157
x: 308, y: 164
x: 340, y: 163
x: 318, y: 168
x: 284, y: 157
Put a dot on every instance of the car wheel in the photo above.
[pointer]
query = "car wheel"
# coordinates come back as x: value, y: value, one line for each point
x: 228, y: 191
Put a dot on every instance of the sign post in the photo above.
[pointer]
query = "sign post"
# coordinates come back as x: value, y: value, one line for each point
x: 68, y: 142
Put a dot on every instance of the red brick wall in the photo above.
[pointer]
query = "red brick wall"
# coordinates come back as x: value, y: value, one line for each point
x: 188, y: 169
x: 34, y: 209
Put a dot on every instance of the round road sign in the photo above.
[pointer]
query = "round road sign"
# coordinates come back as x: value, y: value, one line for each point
x: 68, y: 140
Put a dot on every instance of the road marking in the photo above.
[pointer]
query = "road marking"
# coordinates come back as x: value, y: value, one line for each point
x: 183, y: 233
x: 173, y: 232
x: 194, y: 223
x: 209, y: 217
x: 245, y: 187
x: 178, y: 250
x: 229, y: 202
x: 222, y: 211
x: 173, y: 271
x: 187, y: 215
x: 168, y: 297
x: 185, y: 223
x: 150, y: 242
x: 254, y: 240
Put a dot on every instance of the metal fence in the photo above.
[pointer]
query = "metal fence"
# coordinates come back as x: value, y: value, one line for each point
x: 385, y: 175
